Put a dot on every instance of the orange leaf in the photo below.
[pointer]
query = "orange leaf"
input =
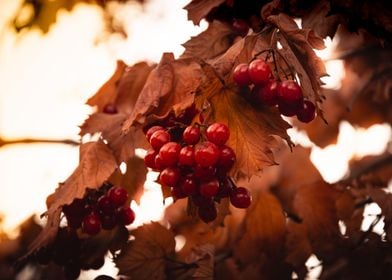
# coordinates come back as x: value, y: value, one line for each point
x: 198, y: 9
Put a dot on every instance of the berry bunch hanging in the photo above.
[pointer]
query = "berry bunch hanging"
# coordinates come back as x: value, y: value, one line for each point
x: 104, y: 208
x: 270, y: 91
x: 196, y: 165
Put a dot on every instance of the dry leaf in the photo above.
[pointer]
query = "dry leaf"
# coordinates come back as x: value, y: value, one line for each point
x: 146, y: 256
x: 198, y: 9
x: 384, y: 201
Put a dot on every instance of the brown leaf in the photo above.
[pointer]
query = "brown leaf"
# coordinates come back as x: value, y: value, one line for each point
x: 170, y: 86
x: 213, y: 42
x: 203, y: 256
x: 133, y: 179
x: 96, y: 164
x: 384, y: 201
x: 146, y: 256
x: 198, y: 9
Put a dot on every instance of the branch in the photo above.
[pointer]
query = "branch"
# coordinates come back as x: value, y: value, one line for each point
x: 4, y: 142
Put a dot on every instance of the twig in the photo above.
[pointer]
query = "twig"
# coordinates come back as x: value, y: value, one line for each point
x: 4, y: 142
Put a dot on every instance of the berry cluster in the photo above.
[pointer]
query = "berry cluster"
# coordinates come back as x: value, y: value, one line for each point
x: 100, y: 209
x: 196, y: 165
x: 267, y: 90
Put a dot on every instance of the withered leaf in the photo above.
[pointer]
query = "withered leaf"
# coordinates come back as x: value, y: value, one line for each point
x: 204, y: 258
x: 170, y: 86
x: 145, y: 257
x: 198, y: 9
x: 384, y: 201
x: 133, y: 179
x: 96, y: 164
x: 210, y: 43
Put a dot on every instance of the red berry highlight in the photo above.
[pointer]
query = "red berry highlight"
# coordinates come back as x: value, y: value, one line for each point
x: 218, y: 133
x: 307, y: 112
x: 241, y: 75
x: 259, y: 71
x: 118, y: 196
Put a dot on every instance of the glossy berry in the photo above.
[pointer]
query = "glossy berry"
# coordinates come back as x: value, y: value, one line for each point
x: 126, y: 216
x: 307, y: 112
x: 186, y: 156
x: 149, y: 159
x: 118, y: 196
x: 204, y: 173
x: 110, y: 109
x: 91, y: 224
x: 289, y: 92
x: 105, y: 205
x: 259, y: 71
x: 191, y: 135
x: 210, y: 188
x: 151, y: 131
x: 288, y: 110
x: 189, y: 184
x: 268, y: 93
x: 207, y: 214
x: 218, y: 133
x: 226, y: 158
x: 178, y: 193
x: 159, y: 138
x: 169, y: 153
x: 241, y: 27
x: 206, y: 154
x: 241, y: 75
x: 169, y: 176
x: 240, y: 198
x: 159, y: 165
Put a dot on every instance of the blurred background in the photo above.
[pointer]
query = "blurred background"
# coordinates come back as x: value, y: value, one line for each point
x: 52, y: 62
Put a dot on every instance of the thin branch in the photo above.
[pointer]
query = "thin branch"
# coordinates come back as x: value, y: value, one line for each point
x: 4, y: 142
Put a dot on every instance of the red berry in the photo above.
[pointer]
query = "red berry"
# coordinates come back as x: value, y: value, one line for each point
x: 149, y: 159
x: 206, y: 154
x: 118, y: 196
x: 218, y: 133
x: 110, y: 108
x: 74, y: 213
x: 169, y: 176
x: 209, y: 189
x: 105, y: 205
x: 91, y: 224
x: 288, y: 110
x: 208, y: 214
x: 307, y: 113
x: 204, y: 173
x: 259, y: 71
x: 186, y: 156
x: 289, y: 92
x: 159, y: 138
x: 169, y: 153
x: 189, y: 184
x: 268, y: 93
x: 241, y: 75
x: 191, y: 135
x: 226, y: 158
x: 240, y: 198
x: 178, y: 193
x: 241, y: 27
x: 151, y: 131
x: 126, y: 215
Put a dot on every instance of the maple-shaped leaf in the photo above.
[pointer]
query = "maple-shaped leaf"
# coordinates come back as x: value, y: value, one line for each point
x: 133, y: 179
x: 264, y: 230
x: 198, y: 9
x: 297, y: 49
x: 96, y: 164
x: 170, y: 86
x: 213, y: 42
x: 146, y: 256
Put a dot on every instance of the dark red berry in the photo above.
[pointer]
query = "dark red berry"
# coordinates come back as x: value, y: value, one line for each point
x: 289, y: 92
x: 108, y: 221
x: 186, y: 156
x: 288, y: 110
x: 241, y: 75
x: 202, y: 201
x: 189, y: 184
x: 206, y: 154
x: 110, y: 108
x: 98, y: 263
x: 169, y: 176
x: 118, y: 196
x: 259, y: 71
x: 218, y: 133
x: 74, y: 213
x: 126, y: 216
x: 191, y: 135
x: 188, y: 115
x: 169, y: 153
x: 226, y: 158
x: 159, y: 164
x: 225, y: 188
x: 178, y: 193
x: 307, y: 113
x: 240, y: 197
x: 241, y: 27
x: 204, y: 173
x: 159, y: 138
x: 91, y: 224
x: 209, y: 189
x: 149, y: 159
x: 207, y: 214
x: 105, y: 205
x: 151, y: 131
x: 268, y: 93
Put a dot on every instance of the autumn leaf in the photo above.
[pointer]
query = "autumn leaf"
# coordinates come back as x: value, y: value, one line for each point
x: 170, y: 86
x: 198, y: 9
x: 213, y: 42
x: 133, y: 179
x: 384, y: 201
x: 145, y: 257
x: 96, y: 164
